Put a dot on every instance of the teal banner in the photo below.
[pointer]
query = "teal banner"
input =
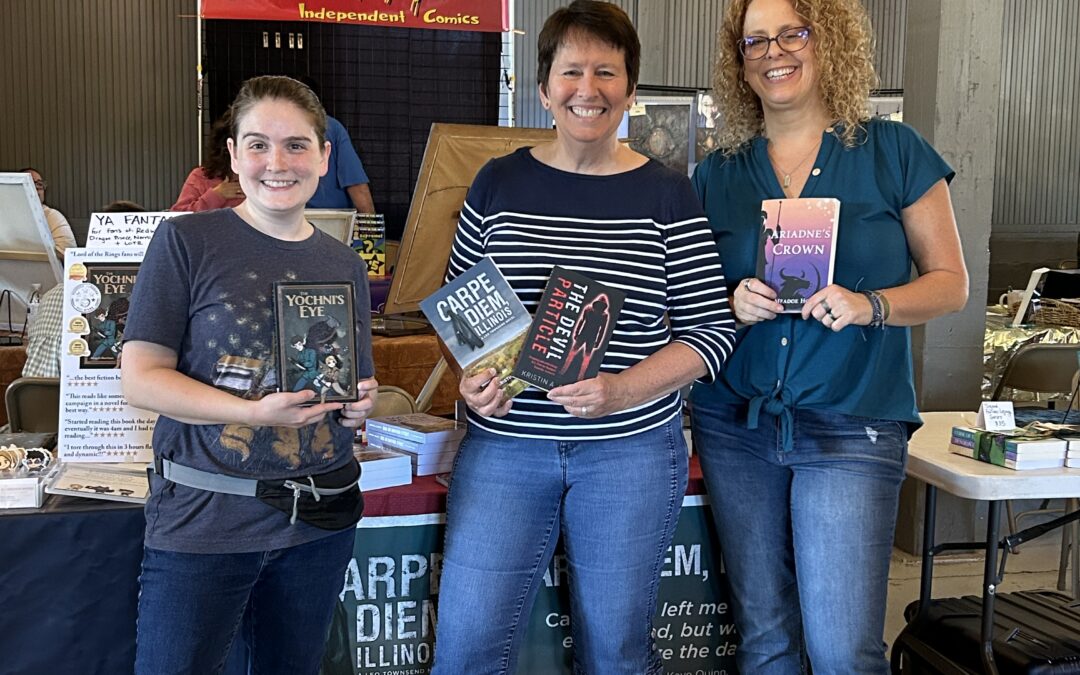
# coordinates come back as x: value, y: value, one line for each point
x: 384, y: 623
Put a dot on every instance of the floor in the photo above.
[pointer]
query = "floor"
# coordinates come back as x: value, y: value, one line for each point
x: 956, y: 574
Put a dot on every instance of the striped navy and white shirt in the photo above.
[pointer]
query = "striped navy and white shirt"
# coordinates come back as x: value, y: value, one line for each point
x: 641, y: 231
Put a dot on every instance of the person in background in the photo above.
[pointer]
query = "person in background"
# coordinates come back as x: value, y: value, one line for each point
x: 45, y: 336
x: 59, y: 227
x: 803, y: 440
x: 345, y: 184
x: 602, y: 462
x: 212, y: 185
x: 254, y: 500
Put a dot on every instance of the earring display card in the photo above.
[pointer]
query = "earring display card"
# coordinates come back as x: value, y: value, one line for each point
x: 125, y: 483
x: 316, y: 338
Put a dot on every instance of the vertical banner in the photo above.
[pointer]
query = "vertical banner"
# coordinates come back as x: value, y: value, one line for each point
x: 385, y: 620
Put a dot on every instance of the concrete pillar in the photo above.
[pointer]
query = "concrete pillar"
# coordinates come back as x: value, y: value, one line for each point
x: 952, y: 73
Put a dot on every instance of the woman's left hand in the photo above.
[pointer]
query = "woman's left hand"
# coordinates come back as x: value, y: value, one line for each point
x: 836, y: 308
x: 353, y: 414
x: 595, y: 397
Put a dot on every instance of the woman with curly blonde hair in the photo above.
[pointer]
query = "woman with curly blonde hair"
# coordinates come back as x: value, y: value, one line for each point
x: 803, y: 440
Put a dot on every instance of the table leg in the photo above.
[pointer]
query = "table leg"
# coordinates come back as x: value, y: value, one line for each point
x: 926, y: 579
x: 1074, y: 545
x: 990, y: 587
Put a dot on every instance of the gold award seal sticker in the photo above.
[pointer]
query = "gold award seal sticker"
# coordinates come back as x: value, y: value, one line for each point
x: 77, y: 272
x: 78, y: 347
x: 79, y: 325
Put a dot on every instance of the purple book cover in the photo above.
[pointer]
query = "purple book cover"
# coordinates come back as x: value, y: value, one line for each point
x: 797, y: 247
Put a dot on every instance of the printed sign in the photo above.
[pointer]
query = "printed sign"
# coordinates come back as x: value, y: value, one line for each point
x: 479, y: 15
x: 384, y: 623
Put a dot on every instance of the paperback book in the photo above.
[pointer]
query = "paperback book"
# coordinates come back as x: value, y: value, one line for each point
x: 797, y: 247
x: 417, y: 427
x: 316, y: 339
x: 571, y: 331
x: 103, y: 300
x: 1012, y: 451
x: 381, y: 468
x: 369, y: 241
x: 481, y: 321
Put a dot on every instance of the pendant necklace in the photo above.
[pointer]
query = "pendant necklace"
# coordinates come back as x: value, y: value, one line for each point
x: 786, y: 182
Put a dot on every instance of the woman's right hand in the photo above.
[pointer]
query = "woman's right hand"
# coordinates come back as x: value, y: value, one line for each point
x: 483, y: 394
x: 286, y: 409
x: 753, y: 301
x: 229, y: 189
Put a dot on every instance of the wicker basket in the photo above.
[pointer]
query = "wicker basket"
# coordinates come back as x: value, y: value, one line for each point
x: 1051, y: 312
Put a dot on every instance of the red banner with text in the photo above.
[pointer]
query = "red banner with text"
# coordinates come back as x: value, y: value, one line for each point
x: 480, y: 15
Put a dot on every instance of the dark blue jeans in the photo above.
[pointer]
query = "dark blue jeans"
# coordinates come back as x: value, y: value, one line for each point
x: 615, y: 503
x: 806, y: 534
x: 191, y: 607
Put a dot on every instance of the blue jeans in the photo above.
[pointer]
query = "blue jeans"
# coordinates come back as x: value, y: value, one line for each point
x: 191, y: 607
x: 615, y: 503
x: 806, y: 534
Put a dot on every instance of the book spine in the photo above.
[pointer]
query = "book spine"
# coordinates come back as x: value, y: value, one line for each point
x: 394, y: 431
x: 964, y: 436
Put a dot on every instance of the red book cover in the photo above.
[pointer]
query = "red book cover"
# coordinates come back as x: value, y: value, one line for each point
x: 570, y: 331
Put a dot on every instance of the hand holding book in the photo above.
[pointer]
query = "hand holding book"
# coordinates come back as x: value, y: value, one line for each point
x: 753, y: 301
x: 483, y: 393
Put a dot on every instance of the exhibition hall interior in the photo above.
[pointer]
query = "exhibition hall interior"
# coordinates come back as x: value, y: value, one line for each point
x: 418, y: 311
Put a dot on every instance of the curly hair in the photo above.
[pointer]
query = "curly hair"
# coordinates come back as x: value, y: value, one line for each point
x: 843, y: 44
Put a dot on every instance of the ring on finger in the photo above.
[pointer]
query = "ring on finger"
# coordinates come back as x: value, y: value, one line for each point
x: 584, y: 410
x: 746, y: 284
x: 831, y: 315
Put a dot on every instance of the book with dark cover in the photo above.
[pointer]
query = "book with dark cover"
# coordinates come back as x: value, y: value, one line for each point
x: 105, y: 311
x: 797, y: 247
x: 315, y: 327
x: 481, y: 321
x: 571, y: 331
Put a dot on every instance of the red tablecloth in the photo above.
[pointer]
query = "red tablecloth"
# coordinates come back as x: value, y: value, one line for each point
x: 426, y: 495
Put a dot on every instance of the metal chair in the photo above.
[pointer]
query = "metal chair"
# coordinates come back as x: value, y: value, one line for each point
x: 33, y: 404
x: 1045, y: 368
x: 393, y: 400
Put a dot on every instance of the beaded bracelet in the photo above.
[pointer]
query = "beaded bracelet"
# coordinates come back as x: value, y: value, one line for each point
x: 877, y: 311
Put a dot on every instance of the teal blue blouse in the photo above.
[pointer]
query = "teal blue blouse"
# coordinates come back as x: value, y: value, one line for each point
x: 790, y: 363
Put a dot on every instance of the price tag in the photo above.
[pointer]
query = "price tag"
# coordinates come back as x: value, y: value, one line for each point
x: 996, y: 416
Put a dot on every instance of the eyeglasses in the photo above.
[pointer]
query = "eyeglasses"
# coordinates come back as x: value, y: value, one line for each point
x: 40, y: 184
x: 754, y: 47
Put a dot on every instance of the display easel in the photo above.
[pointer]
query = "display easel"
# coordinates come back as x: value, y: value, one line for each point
x: 455, y: 153
x: 27, y: 254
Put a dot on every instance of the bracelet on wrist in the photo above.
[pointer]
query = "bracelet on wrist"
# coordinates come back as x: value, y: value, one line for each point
x: 877, y: 311
x: 886, y: 309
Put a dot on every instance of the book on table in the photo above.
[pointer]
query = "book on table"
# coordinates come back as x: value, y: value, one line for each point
x: 418, y: 427
x: 481, y: 321
x: 376, y: 436
x: 382, y: 468
x: 570, y: 332
x: 797, y: 247
x: 1012, y: 450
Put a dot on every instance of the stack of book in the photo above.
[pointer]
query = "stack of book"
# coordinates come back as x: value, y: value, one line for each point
x: 429, y: 442
x: 381, y: 468
x: 1016, y: 450
x: 1072, y: 455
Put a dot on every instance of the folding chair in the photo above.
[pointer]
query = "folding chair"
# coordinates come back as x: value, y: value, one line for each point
x: 33, y: 404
